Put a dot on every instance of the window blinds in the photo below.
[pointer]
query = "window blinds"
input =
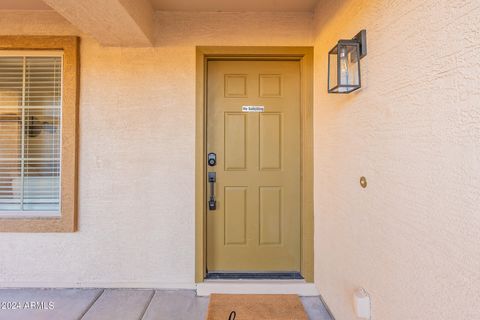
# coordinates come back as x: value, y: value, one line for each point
x: 30, y: 134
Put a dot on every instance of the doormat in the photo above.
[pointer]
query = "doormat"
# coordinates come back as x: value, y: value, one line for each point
x: 255, y: 307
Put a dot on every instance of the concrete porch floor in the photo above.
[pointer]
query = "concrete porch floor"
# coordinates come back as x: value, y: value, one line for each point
x: 125, y: 304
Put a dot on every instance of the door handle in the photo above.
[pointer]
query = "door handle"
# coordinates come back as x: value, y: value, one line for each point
x: 212, y: 178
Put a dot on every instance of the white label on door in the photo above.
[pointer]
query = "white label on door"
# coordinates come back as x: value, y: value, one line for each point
x: 253, y: 108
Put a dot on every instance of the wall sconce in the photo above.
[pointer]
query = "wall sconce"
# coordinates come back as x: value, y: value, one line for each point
x: 344, y: 64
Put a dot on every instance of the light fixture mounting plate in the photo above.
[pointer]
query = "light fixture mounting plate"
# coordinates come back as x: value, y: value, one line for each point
x: 361, y: 38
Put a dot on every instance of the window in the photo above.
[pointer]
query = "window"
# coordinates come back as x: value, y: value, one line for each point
x: 38, y: 107
x: 30, y: 134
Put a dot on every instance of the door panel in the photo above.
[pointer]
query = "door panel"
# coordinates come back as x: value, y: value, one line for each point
x: 270, y: 146
x: 235, y: 215
x: 270, y: 215
x: 235, y: 141
x: 256, y: 224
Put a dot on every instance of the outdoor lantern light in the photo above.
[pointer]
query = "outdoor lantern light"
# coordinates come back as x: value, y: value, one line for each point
x: 344, y: 64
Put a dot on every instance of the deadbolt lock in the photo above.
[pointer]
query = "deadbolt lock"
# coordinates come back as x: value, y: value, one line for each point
x: 212, y: 159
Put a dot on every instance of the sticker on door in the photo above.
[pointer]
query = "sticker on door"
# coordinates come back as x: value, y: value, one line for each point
x: 253, y: 108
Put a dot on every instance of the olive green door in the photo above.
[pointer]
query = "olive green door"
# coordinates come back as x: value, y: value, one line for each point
x: 253, y: 127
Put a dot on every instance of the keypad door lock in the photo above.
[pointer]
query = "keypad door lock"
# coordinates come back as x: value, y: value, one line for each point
x: 212, y: 159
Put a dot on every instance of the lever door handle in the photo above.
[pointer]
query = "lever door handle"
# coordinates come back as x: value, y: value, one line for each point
x: 212, y: 203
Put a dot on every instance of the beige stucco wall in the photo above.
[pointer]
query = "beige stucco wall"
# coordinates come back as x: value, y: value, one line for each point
x: 137, y: 142
x: 412, y: 238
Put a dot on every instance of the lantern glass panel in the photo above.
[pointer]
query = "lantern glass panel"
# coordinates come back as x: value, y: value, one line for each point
x: 332, y: 70
x: 344, y: 67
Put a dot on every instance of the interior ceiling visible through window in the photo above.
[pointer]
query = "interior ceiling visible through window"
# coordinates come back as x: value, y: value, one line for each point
x: 191, y: 5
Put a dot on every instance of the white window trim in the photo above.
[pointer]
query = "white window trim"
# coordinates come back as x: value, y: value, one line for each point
x: 31, y: 53
x: 22, y: 214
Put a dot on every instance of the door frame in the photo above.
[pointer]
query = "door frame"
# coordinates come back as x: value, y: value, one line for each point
x: 305, y: 57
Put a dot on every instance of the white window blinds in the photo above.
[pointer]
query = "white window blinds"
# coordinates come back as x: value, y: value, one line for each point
x: 30, y: 134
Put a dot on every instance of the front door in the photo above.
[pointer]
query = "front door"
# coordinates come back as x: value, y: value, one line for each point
x: 253, y: 128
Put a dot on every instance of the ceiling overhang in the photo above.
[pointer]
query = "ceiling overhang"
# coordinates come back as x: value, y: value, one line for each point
x: 111, y: 22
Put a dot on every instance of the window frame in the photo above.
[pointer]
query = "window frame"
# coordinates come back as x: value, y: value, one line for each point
x: 66, y: 221
x: 24, y: 55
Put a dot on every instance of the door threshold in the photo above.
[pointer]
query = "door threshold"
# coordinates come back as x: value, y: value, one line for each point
x: 298, y: 287
x: 254, y: 276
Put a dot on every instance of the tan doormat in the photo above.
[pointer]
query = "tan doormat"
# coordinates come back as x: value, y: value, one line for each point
x: 255, y: 307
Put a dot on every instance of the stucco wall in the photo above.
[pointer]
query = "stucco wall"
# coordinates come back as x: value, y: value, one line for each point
x: 412, y: 238
x: 137, y: 142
